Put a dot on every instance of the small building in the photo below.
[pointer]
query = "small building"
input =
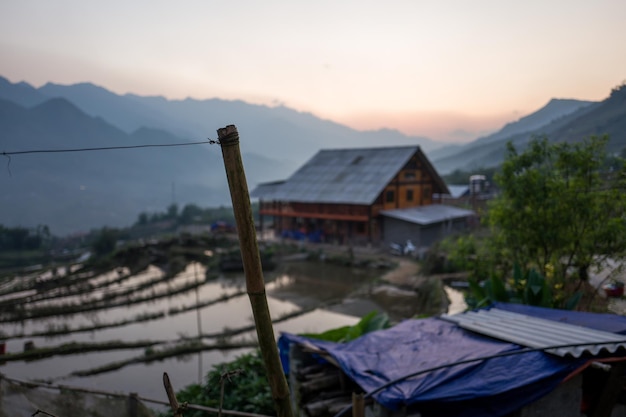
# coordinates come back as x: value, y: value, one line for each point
x: 475, y: 194
x: 507, y: 360
x: 425, y: 225
x: 339, y: 194
x: 458, y: 191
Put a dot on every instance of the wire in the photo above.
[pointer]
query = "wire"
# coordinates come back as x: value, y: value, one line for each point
x: 31, y: 384
x: 463, y: 362
x: 108, y: 148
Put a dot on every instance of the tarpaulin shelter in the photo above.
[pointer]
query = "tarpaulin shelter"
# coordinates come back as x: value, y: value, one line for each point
x: 503, y: 378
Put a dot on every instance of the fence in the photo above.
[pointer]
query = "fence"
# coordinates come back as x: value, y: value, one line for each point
x: 28, y: 398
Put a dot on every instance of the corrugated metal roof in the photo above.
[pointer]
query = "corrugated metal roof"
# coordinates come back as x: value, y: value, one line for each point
x: 266, y: 188
x: 430, y: 214
x: 539, y: 333
x: 352, y: 176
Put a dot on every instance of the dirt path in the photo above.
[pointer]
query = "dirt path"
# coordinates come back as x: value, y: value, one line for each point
x: 405, y: 274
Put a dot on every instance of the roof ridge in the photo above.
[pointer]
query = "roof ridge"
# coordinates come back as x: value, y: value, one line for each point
x: 377, y: 148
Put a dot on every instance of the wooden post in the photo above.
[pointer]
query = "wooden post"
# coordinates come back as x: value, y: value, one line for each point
x: 611, y: 391
x: 171, y: 396
x: 358, y: 405
x: 255, y: 285
x: 133, y: 404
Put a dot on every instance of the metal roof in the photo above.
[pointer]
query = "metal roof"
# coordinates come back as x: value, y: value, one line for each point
x: 352, y: 176
x: 457, y: 191
x: 425, y: 215
x: 534, y: 332
x: 266, y: 188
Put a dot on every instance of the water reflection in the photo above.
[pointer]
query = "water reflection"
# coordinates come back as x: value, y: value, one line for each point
x: 292, y: 287
x: 289, y: 289
x: 457, y: 300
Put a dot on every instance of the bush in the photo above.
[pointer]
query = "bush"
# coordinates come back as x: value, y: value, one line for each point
x: 245, y: 388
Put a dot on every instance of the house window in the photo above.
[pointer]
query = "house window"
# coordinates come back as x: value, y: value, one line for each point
x: 409, y: 195
x: 409, y: 175
x: 390, y: 197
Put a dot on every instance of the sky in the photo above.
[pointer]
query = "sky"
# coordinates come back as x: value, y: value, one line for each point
x: 450, y: 70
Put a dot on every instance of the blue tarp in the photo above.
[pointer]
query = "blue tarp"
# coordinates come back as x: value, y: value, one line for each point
x: 490, y: 387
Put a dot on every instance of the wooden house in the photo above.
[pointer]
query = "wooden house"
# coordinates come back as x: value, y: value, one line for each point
x: 338, y: 195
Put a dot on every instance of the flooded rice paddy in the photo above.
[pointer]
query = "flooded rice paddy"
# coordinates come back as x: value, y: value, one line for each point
x: 290, y: 289
x: 327, y: 296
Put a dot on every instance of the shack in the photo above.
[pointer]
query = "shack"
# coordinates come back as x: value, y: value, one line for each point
x: 426, y: 224
x: 507, y: 360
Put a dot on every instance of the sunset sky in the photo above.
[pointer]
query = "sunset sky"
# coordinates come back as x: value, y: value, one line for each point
x: 450, y: 70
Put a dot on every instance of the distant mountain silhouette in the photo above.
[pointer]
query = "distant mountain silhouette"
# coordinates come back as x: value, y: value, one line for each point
x: 559, y: 115
x: 78, y: 191
x: 605, y: 118
x: 274, y: 142
x: 21, y: 93
x: 292, y: 136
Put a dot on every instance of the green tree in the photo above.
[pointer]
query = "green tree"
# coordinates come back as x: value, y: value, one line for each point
x: 142, y: 219
x: 105, y: 241
x: 560, y: 208
x: 172, y: 211
x: 190, y: 213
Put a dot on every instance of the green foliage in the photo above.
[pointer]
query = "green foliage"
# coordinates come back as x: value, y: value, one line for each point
x: 480, y: 254
x: 190, y: 214
x: 172, y: 211
x: 105, y: 240
x: 561, y: 211
x: 560, y: 206
x: 22, y: 238
x: 371, y: 322
x: 525, y: 287
x: 246, y: 389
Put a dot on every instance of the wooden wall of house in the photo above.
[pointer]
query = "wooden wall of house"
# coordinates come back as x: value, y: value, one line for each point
x: 412, y: 186
x: 340, y: 223
x: 348, y: 212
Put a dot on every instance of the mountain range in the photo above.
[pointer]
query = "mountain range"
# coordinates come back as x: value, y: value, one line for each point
x: 560, y: 121
x: 73, y: 192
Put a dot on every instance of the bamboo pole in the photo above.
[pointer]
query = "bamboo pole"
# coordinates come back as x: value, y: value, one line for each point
x: 255, y: 285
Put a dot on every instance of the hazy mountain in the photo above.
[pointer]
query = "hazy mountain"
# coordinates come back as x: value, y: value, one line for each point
x: 117, y: 110
x: 489, y: 150
x: 78, y: 191
x: 606, y: 118
x: 275, y: 141
x: 555, y: 109
x: 278, y: 133
x: 21, y: 93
